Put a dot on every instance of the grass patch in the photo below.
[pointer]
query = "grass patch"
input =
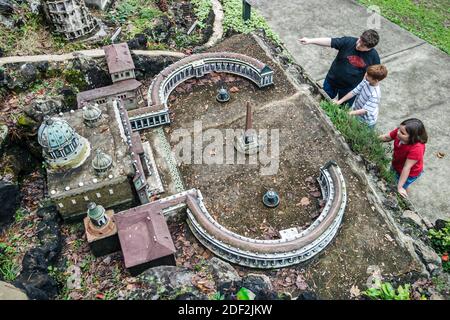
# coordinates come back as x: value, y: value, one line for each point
x: 427, y: 19
x: 9, y: 269
x: 232, y: 10
x: 360, y: 138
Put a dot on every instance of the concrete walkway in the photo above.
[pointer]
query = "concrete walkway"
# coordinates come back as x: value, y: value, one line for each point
x: 94, y: 53
x: 418, y: 84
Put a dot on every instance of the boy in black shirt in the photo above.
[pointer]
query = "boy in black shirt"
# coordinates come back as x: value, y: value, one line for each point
x: 354, y: 56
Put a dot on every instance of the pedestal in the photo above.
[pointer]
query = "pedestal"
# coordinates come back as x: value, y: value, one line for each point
x: 104, y: 240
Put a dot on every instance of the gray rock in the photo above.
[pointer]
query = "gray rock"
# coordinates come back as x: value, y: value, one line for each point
x: 257, y: 282
x: 29, y: 72
x: 10, y: 292
x: 35, y: 6
x: 9, y: 199
x: 42, y: 107
x: 412, y: 217
x: 165, y: 282
x: 6, y: 7
x: 426, y: 254
x: 224, y: 274
x: 3, y: 136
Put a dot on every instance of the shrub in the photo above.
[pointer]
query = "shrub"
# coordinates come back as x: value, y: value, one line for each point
x: 385, y: 291
x: 360, y: 137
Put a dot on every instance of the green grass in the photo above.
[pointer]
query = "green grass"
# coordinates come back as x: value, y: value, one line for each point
x: 232, y: 10
x: 427, y: 19
x: 360, y: 138
x: 9, y: 269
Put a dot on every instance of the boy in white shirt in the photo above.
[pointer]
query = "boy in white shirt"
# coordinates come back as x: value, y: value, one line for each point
x: 368, y: 95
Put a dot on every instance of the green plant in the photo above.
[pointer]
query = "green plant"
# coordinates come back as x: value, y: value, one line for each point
x: 360, y: 137
x: 201, y: 10
x: 218, y: 296
x: 9, y: 269
x: 21, y: 213
x: 232, y: 10
x: 385, y: 291
x: 440, y: 240
x: 183, y: 40
x: 245, y: 294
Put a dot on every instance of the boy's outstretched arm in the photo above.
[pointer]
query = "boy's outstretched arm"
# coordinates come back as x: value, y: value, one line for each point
x: 326, y: 42
x: 357, y: 112
x: 347, y: 97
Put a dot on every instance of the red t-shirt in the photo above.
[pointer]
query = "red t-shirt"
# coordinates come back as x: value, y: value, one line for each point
x: 407, y: 151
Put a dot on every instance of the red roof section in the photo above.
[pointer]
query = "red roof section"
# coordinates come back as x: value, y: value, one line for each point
x: 144, y: 235
x: 118, y: 57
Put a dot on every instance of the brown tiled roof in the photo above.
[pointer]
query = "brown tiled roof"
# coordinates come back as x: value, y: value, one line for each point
x: 118, y: 57
x: 145, y: 110
x: 115, y: 88
x: 144, y: 235
x: 137, y: 143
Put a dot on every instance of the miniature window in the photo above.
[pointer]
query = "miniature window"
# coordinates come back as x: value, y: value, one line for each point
x: 127, y: 73
x: 111, y: 191
x: 116, y: 76
x: 74, y: 201
x: 98, y: 195
x: 60, y: 205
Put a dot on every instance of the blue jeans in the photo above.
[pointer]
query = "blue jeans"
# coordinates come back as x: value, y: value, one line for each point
x: 408, y: 181
x: 340, y: 92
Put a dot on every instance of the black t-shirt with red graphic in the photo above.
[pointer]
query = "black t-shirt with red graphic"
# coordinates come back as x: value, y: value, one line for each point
x: 350, y: 65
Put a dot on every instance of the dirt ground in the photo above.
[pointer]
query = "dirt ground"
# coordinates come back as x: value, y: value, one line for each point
x: 233, y: 193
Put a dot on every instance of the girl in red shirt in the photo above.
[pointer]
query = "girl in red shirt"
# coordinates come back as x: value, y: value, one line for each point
x: 409, y: 147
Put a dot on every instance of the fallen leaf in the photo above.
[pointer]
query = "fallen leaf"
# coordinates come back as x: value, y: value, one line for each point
x: 305, y: 201
x: 440, y: 155
x: 301, y: 283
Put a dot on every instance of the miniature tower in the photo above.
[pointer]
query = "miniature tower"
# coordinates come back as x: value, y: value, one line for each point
x: 101, y: 230
x: 70, y: 18
x: 248, y: 142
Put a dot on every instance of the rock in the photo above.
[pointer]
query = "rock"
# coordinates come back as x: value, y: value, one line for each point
x: 260, y: 285
x: 3, y: 136
x: 74, y: 280
x: 51, y: 239
x: 34, y: 260
x: 28, y: 72
x: 426, y: 254
x: 42, y: 66
x: 224, y: 274
x: 147, y: 67
x: 439, y: 224
x: 391, y: 203
x: 413, y: 217
x: 164, y: 282
x: 6, y: 7
x: 307, y: 295
x: 10, y: 292
x: 138, y: 43
x: 48, y: 106
x: 38, y: 285
x: 9, y: 199
x: 35, y: 6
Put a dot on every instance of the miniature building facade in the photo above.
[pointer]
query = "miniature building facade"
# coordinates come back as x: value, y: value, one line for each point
x: 120, y: 63
x: 70, y: 18
x: 128, y: 91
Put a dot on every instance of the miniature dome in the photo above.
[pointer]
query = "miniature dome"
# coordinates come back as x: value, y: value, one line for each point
x: 55, y: 133
x: 96, y: 214
x: 101, y: 162
x: 91, y: 113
